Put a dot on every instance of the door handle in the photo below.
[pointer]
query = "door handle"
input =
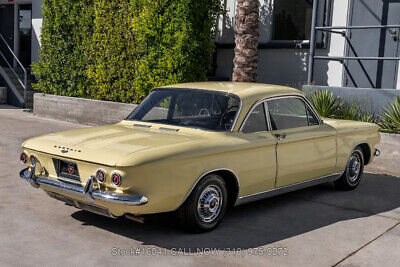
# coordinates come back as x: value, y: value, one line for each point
x: 394, y: 35
x: 280, y: 136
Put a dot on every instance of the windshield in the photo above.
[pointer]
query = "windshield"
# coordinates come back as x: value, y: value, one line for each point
x: 185, y: 107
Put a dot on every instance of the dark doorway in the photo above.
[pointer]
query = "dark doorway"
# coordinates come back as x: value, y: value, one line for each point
x: 25, y: 34
x: 373, y: 43
x: 7, y: 32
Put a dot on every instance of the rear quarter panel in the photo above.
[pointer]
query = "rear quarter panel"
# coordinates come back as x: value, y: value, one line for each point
x: 167, y: 176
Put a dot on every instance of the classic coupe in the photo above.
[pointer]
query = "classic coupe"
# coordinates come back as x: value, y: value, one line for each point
x: 197, y: 149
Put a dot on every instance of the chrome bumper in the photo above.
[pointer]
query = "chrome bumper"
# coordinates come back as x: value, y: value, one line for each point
x: 86, y: 192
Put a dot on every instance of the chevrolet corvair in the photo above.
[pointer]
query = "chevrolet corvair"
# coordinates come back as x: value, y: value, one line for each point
x: 197, y: 149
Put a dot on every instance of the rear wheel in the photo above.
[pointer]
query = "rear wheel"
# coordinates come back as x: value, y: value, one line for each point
x: 206, y: 205
x: 351, y: 177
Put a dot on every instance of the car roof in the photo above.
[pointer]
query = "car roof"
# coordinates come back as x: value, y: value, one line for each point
x: 249, y: 93
x: 242, y: 89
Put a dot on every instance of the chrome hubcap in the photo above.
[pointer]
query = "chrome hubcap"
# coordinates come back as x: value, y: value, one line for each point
x: 210, y: 203
x: 354, y: 167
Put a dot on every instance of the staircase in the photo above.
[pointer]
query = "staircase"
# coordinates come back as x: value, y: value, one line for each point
x: 16, y: 77
x: 17, y: 90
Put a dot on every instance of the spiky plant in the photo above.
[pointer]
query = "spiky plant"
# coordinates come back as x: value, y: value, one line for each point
x: 326, y: 104
x: 365, y: 117
x: 349, y: 112
x: 390, y: 119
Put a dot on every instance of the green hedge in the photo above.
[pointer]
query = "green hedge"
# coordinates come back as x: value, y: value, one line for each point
x: 66, y: 38
x: 113, y: 52
x: 119, y: 50
x: 174, y: 40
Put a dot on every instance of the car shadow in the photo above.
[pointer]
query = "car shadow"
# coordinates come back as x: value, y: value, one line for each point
x: 266, y: 221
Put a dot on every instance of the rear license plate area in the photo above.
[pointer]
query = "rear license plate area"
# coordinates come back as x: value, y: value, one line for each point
x: 67, y: 169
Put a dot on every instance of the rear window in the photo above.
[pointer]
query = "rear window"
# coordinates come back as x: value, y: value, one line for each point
x: 191, y: 108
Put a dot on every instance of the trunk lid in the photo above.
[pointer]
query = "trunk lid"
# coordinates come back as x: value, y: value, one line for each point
x: 105, y: 145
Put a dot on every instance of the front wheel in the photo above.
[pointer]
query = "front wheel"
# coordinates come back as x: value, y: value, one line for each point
x: 351, y: 177
x: 206, y: 205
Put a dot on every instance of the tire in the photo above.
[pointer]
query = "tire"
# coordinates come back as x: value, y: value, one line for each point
x: 210, y: 190
x: 352, y: 176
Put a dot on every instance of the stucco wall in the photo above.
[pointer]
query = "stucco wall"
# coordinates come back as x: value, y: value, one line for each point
x: 284, y: 66
x: 36, y: 28
x: 36, y: 24
x: 369, y: 100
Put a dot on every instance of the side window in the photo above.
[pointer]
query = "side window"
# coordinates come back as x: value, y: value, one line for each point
x: 312, y: 119
x: 286, y: 113
x: 256, y: 122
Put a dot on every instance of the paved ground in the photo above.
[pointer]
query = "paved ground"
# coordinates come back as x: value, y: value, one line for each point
x: 318, y: 226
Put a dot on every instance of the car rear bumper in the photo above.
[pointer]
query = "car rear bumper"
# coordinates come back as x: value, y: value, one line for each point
x: 87, y: 192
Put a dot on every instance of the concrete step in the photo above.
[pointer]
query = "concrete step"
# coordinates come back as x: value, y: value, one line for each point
x: 28, y: 96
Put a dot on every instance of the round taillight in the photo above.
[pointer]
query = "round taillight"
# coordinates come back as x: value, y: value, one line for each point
x: 33, y: 160
x: 23, y: 158
x: 101, y: 176
x: 116, y: 179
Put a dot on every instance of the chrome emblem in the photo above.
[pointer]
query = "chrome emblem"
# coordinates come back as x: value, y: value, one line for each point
x: 64, y: 151
x: 71, y: 169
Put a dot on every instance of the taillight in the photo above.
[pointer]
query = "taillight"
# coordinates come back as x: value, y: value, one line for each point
x: 116, y: 179
x: 33, y: 160
x: 101, y: 176
x: 23, y: 158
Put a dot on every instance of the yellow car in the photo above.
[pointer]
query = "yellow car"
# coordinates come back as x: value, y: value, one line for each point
x: 198, y: 148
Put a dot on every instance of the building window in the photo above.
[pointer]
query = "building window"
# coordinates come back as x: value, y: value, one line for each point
x: 283, y: 24
x: 292, y: 19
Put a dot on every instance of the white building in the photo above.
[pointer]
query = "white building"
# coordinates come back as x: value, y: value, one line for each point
x: 284, y: 44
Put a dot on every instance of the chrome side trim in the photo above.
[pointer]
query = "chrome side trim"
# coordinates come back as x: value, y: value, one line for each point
x: 87, y: 192
x: 287, y: 189
x: 202, y: 176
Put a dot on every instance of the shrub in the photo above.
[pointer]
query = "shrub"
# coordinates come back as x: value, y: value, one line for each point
x: 112, y: 52
x: 348, y: 112
x: 330, y: 106
x: 351, y: 111
x: 65, y: 41
x: 119, y: 50
x: 390, y: 119
x: 325, y: 103
x: 174, y: 40
x: 365, y: 117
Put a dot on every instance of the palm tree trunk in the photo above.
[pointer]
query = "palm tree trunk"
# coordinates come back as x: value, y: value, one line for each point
x: 246, y: 39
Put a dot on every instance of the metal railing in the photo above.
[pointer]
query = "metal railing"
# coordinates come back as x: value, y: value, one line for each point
x: 24, y: 82
x: 335, y: 30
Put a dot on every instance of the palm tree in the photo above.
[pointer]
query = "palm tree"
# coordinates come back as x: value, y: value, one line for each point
x: 246, y: 39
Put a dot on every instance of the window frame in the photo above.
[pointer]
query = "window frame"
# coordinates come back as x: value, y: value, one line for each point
x: 321, y: 43
x: 266, y: 109
x: 306, y: 104
x: 262, y: 102
x: 303, y: 44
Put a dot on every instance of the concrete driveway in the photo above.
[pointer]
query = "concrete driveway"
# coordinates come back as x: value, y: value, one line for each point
x: 317, y: 226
